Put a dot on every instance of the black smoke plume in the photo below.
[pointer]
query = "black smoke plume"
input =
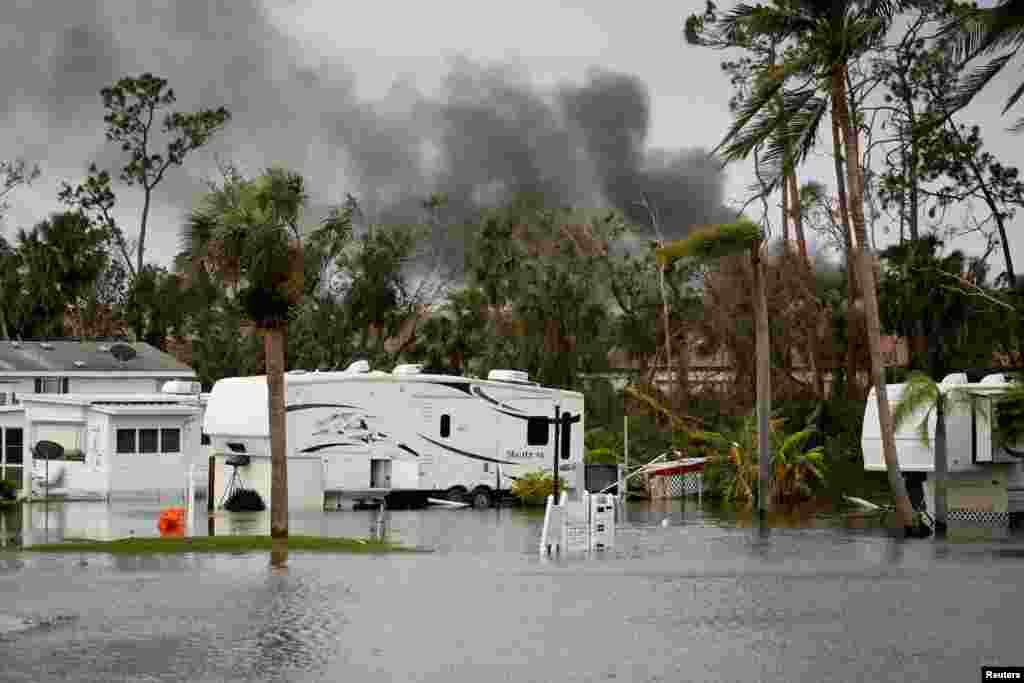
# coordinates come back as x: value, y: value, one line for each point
x: 490, y: 134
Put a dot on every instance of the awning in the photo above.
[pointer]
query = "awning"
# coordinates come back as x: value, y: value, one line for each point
x: 682, y: 466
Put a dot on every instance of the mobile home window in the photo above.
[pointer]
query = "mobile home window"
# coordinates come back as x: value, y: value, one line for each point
x: 147, y: 441
x: 52, y: 385
x: 13, y: 444
x: 446, y: 425
x: 170, y: 441
x: 125, y: 440
x: 537, y: 431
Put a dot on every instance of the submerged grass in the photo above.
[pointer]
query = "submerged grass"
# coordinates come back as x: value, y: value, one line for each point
x: 221, y: 544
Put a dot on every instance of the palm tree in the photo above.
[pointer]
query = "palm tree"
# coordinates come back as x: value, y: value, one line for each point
x: 714, y: 242
x: 796, y: 466
x: 247, y: 231
x: 826, y: 36
x: 976, y: 32
x: 922, y: 393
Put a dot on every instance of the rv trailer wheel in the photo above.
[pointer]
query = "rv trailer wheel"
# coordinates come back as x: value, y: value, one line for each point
x: 455, y: 494
x: 482, y: 498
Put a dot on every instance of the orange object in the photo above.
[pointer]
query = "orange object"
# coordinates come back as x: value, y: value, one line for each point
x: 172, y: 522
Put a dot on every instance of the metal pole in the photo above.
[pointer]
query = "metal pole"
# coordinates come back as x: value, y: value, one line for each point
x: 941, y: 466
x: 554, y: 462
x: 626, y: 455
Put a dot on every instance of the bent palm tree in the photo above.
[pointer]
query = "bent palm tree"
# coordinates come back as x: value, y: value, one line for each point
x: 247, y: 231
x: 827, y: 35
x: 714, y: 242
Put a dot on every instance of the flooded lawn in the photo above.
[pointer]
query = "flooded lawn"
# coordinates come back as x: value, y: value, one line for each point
x: 703, y: 597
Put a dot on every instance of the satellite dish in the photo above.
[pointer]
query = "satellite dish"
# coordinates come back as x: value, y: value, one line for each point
x: 48, y: 450
x: 123, y: 352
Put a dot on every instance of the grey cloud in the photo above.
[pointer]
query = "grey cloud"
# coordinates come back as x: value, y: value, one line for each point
x: 490, y: 133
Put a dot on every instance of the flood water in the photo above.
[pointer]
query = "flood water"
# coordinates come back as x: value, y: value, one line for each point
x: 701, y: 597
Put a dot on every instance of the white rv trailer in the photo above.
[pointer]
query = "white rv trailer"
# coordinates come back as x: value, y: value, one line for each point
x: 406, y: 434
x: 992, y: 474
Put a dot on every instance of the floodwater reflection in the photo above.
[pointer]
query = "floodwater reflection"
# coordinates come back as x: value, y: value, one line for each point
x: 706, y: 596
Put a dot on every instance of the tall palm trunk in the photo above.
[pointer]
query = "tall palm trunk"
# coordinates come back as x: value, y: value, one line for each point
x: 813, y: 347
x: 797, y: 213
x: 866, y: 276
x: 274, y: 344
x: 764, y: 381
x: 785, y: 213
x: 851, y: 283
x: 941, y: 465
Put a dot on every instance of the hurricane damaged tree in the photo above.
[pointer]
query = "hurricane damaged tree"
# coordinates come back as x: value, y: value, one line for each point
x: 778, y: 154
x: 939, y: 161
x: 715, y: 242
x: 542, y: 278
x: 136, y: 121
x: 814, y: 80
x: 13, y: 174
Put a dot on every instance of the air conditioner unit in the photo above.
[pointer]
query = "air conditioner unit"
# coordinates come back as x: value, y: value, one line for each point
x: 515, y: 376
x: 358, y: 367
x: 177, y: 386
x: 407, y: 369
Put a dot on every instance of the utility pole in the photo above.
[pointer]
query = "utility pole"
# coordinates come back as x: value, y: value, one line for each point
x: 554, y: 461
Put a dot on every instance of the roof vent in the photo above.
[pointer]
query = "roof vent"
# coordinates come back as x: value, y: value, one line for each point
x: 358, y: 367
x: 79, y: 363
x: 296, y: 372
x: 514, y: 376
x: 997, y: 378
x: 103, y: 347
x: 408, y: 369
x: 16, y: 344
x: 46, y: 345
x: 955, y: 378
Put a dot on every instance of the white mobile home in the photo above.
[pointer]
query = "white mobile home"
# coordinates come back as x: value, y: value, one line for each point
x: 986, y: 478
x: 64, y: 390
x: 408, y: 434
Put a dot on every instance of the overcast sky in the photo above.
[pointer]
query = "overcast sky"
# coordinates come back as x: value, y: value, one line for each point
x: 591, y: 101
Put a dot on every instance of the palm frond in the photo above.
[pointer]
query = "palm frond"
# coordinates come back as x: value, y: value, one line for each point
x: 1016, y: 95
x: 794, y: 443
x: 972, y: 84
x: 755, y: 105
x: 920, y: 393
x: 798, y: 134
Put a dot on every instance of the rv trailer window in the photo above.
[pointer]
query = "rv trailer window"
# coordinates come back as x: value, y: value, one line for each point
x: 537, y: 431
x: 148, y: 441
x: 566, y: 433
x: 446, y: 425
x: 170, y: 441
x: 125, y: 440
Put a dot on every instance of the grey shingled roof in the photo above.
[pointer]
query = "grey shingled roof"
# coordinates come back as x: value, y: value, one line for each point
x: 30, y: 356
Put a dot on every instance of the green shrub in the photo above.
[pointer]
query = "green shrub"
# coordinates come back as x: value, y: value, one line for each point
x: 534, y: 488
